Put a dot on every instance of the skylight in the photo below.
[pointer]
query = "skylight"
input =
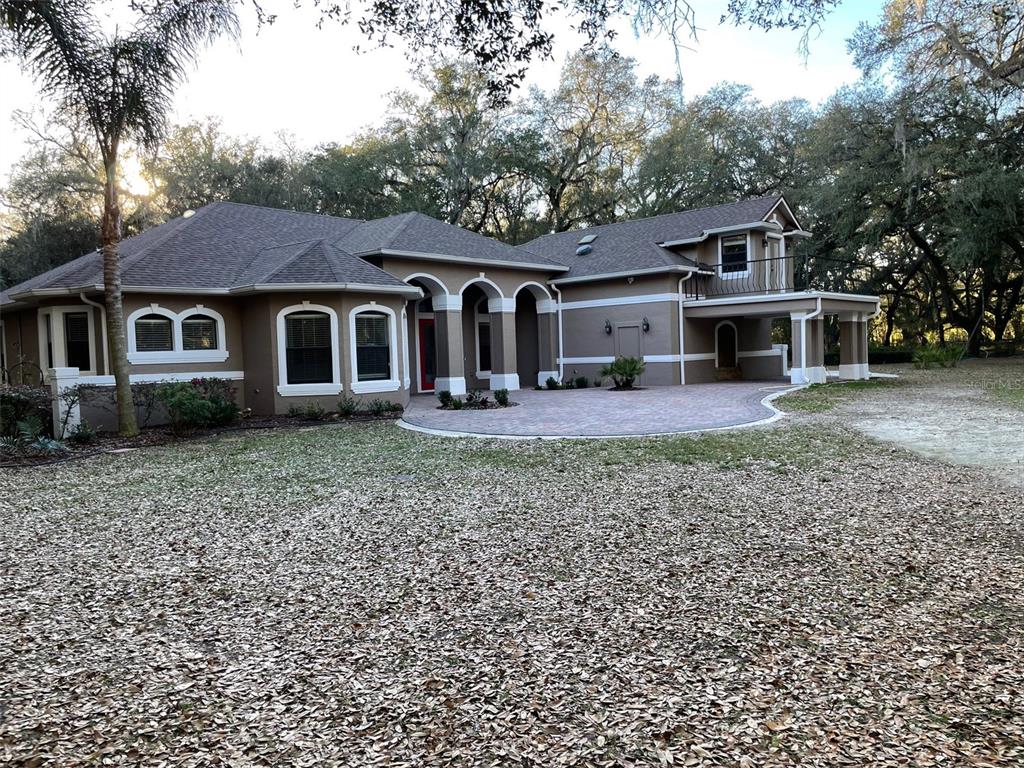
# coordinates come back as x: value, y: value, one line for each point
x: 587, y: 239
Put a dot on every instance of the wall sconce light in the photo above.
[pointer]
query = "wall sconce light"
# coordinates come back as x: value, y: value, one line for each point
x: 764, y: 242
x: 608, y: 327
x: 646, y: 325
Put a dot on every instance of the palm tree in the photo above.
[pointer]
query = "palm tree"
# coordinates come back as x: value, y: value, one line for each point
x: 122, y: 86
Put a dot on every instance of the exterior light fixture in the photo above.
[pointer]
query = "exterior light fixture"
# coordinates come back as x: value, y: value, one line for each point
x: 646, y: 325
x: 608, y: 327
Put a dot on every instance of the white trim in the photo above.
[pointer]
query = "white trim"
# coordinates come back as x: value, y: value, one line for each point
x: 427, y: 256
x: 153, y: 378
x: 485, y: 281
x: 795, y: 296
x: 624, y: 273
x: 760, y: 226
x: 501, y: 305
x: 815, y: 375
x: 543, y: 376
x: 56, y: 314
x: 547, y: 306
x: 374, y: 385
x: 759, y: 353
x: 661, y: 358
x: 447, y: 302
x: 426, y: 277
x: 409, y: 290
x: 533, y: 284
x: 454, y: 384
x: 784, y: 355
x: 782, y: 201
x: 406, y: 379
x: 722, y: 274
x: 854, y: 371
x: 692, y: 357
x: 509, y: 381
x: 177, y: 353
x: 736, y: 340
x: 333, y: 387
x: 767, y: 401
x: 585, y: 360
x: 620, y: 301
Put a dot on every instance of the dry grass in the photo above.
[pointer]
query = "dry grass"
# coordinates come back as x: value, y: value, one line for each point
x: 360, y: 595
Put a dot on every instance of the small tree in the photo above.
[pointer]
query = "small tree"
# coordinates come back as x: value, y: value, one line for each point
x: 121, y: 86
x: 624, y: 371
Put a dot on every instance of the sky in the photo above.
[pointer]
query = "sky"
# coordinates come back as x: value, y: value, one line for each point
x: 310, y: 83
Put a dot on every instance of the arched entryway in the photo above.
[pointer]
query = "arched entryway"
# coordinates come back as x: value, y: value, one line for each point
x: 483, y: 335
x: 535, y: 341
x: 425, y: 358
x: 726, y: 345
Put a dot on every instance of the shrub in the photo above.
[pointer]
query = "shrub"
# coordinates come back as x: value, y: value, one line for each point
x: 624, y: 371
x: 501, y: 397
x: 21, y: 403
x: 348, y: 406
x: 198, y: 403
x: 582, y: 382
x: 82, y: 433
x: 28, y: 438
x: 396, y: 407
x: 445, y: 397
x: 456, y: 404
x: 552, y: 383
x: 597, y: 381
x: 944, y: 357
x: 379, y: 407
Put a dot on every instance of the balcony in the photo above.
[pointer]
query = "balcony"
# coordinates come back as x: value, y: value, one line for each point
x: 786, y: 274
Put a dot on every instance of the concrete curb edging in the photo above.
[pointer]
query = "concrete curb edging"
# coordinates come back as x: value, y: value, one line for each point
x: 766, y: 401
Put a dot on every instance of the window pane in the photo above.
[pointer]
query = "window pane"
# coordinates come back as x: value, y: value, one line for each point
x: 373, y: 353
x: 734, y: 255
x: 308, y: 354
x: 153, y: 334
x: 76, y: 340
x: 484, y: 360
x: 199, y: 332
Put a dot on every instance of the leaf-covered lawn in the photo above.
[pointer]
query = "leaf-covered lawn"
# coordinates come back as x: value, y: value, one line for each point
x: 361, y: 595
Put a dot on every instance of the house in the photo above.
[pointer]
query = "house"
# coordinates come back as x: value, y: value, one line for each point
x: 298, y: 307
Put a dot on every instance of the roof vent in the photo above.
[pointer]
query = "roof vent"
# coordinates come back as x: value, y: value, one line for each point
x: 587, y: 239
x: 188, y: 214
x: 583, y: 250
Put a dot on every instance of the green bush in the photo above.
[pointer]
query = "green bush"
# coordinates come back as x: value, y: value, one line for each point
x: 396, y: 407
x: 456, y: 404
x: 198, y: 404
x: 28, y: 439
x: 552, y: 383
x: 597, y: 381
x: 624, y: 371
x: 21, y: 403
x: 82, y: 433
x: 348, y: 406
x: 942, y: 356
x: 445, y: 397
x: 501, y: 397
x: 582, y: 382
x: 379, y: 407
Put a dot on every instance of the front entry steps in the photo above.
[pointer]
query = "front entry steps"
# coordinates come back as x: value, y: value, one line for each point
x: 728, y: 374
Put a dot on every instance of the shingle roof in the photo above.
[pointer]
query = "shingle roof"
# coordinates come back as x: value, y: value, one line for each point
x: 418, y: 233
x: 633, y: 245
x: 313, y: 261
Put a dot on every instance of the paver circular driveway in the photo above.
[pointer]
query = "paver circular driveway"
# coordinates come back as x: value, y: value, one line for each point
x: 604, y: 413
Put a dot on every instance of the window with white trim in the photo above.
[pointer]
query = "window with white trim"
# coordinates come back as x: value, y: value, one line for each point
x: 483, y: 337
x: 77, y: 346
x: 198, y: 332
x: 734, y: 255
x: 373, y: 348
x: 154, y: 333
x: 308, y: 349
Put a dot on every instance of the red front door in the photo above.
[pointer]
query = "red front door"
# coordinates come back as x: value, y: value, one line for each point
x: 428, y: 355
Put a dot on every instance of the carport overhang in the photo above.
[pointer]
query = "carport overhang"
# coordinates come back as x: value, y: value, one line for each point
x: 781, y: 305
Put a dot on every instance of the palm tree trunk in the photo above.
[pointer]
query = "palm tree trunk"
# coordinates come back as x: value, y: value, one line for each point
x: 110, y: 236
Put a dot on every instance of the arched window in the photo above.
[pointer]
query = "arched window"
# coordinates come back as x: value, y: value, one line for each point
x: 483, y: 339
x: 154, y: 333
x: 198, y: 332
x: 308, y: 349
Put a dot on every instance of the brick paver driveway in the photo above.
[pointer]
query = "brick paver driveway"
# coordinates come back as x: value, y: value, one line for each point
x: 603, y: 413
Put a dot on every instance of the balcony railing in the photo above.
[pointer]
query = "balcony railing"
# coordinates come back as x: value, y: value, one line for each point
x: 785, y: 274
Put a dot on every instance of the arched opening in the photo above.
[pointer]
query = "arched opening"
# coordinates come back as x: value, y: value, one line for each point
x: 420, y: 319
x: 726, y: 351
x: 477, y: 336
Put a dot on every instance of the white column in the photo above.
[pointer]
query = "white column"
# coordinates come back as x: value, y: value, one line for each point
x: 62, y: 379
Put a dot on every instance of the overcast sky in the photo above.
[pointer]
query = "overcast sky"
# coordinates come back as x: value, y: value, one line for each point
x: 310, y: 82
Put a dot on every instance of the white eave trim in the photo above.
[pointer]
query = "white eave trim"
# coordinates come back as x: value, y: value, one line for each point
x: 628, y: 273
x: 759, y: 299
x: 789, y: 211
x: 407, y: 290
x: 464, y: 260
x: 798, y: 233
x: 764, y: 226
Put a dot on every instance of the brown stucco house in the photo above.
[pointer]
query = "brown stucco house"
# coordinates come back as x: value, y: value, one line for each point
x: 298, y: 307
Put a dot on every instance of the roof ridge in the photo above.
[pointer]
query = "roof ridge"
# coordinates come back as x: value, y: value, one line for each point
x: 282, y: 210
x: 187, y: 222
x: 651, y: 218
x: 289, y: 261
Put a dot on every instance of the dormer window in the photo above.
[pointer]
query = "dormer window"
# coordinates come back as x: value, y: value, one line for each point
x: 733, y: 256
